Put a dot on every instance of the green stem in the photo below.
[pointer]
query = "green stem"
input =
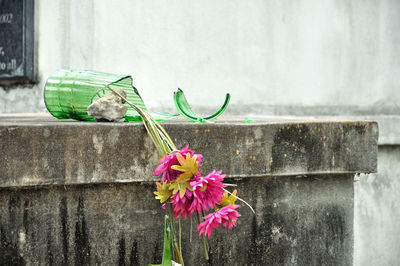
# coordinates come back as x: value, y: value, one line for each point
x: 203, y: 213
x: 180, y: 239
x: 191, y: 229
x: 158, y: 135
x: 178, y: 252
x: 179, y: 259
x: 203, y: 239
x: 172, y: 221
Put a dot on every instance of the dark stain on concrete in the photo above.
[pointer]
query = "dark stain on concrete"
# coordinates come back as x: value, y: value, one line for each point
x: 49, y: 255
x: 361, y: 129
x: 9, y: 254
x: 134, y: 258
x: 254, y: 248
x: 82, y: 246
x: 13, y: 206
x: 121, y: 251
x: 157, y: 254
x: 335, y: 235
x: 211, y: 260
x: 64, y: 229
x: 292, y: 141
x: 25, y: 219
x: 270, y: 249
x: 335, y: 222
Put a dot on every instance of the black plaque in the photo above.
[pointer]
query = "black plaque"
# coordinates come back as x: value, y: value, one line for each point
x: 16, y: 41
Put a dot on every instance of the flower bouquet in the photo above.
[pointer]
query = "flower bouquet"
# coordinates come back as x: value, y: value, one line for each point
x: 185, y: 192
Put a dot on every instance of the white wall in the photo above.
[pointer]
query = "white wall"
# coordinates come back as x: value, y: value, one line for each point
x: 377, y: 212
x: 302, y: 53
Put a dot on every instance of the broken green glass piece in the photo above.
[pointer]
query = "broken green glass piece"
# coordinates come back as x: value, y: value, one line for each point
x: 68, y: 93
x: 248, y: 120
x: 186, y: 111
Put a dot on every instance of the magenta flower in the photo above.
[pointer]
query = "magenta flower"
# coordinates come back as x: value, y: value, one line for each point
x: 207, y: 191
x: 169, y: 174
x: 226, y: 216
x: 181, y: 206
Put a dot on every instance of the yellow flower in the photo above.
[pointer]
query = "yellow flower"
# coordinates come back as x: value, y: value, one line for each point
x: 163, y: 191
x: 180, y: 186
x: 227, y: 200
x: 188, y: 166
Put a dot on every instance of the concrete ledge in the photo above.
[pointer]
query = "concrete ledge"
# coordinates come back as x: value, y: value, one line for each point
x: 389, y: 125
x: 40, y: 150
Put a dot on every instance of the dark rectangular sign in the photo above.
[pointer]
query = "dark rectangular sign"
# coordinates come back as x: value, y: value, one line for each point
x: 16, y: 40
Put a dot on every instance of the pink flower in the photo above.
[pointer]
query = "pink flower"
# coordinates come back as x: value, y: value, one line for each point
x: 169, y: 174
x: 207, y: 191
x: 181, y: 206
x: 226, y: 216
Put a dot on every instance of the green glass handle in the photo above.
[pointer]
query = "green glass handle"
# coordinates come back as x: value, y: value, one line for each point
x: 186, y: 111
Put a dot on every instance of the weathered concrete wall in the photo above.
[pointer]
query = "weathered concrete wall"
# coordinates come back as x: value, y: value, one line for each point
x: 266, y: 53
x: 298, y: 221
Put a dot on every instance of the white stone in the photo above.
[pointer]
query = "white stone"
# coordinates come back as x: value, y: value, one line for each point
x: 110, y: 108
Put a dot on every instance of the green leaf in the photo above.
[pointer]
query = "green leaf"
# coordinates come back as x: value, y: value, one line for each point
x: 159, y: 117
x: 167, y: 256
x: 186, y: 111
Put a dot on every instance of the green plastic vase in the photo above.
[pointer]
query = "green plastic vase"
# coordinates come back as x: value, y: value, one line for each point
x: 68, y: 93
